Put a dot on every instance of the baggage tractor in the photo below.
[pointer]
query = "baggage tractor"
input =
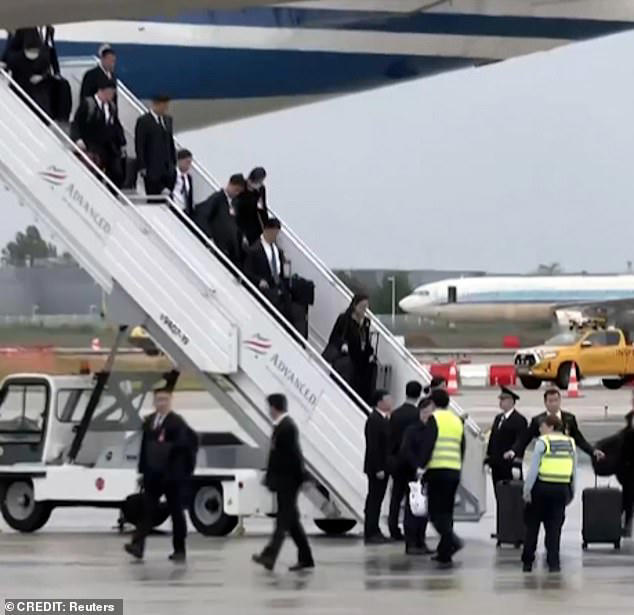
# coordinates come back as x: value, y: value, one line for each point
x: 510, y: 512
x: 601, y: 516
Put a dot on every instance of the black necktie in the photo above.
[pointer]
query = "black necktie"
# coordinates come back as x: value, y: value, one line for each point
x: 276, y: 277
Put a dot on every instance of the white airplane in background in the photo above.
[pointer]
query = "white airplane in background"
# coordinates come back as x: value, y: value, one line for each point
x: 566, y: 299
x: 222, y: 59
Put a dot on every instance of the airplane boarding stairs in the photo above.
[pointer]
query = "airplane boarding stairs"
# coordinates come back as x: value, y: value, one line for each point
x: 204, y: 315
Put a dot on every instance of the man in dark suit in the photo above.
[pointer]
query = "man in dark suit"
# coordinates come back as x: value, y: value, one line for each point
x: 251, y: 207
x: 552, y: 401
x: 284, y: 476
x: 104, y: 69
x: 508, y: 430
x: 183, y: 186
x: 264, y: 266
x: 96, y: 129
x: 401, y: 419
x: 155, y: 149
x: 166, y: 463
x: 216, y: 218
x: 377, y: 429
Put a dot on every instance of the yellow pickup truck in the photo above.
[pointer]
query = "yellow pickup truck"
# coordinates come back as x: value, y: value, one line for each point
x: 607, y: 354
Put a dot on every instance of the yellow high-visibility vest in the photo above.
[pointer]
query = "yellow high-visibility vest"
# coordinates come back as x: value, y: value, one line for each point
x: 447, y: 449
x: 557, y: 463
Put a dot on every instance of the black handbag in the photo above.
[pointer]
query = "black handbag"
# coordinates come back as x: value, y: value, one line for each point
x: 302, y: 290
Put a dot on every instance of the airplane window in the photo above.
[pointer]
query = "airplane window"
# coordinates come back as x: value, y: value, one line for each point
x: 423, y: 293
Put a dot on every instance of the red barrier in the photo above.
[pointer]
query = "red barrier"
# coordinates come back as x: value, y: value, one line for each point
x: 440, y: 370
x: 502, y: 375
x: 511, y: 341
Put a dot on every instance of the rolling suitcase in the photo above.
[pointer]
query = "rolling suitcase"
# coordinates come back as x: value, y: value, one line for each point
x: 601, y: 516
x: 510, y: 512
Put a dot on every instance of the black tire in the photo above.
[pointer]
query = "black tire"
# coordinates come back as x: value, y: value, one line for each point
x: 617, y: 545
x: 335, y: 527
x: 206, y: 511
x: 19, y: 508
x: 530, y: 382
x: 563, y: 376
x: 613, y: 383
x: 584, y: 546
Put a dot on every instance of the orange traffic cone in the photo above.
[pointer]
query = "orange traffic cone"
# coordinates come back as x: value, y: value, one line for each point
x: 452, y: 383
x: 573, y: 383
x: 95, y: 345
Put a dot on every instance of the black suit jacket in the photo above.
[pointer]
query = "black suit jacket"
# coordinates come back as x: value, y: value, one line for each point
x: 401, y: 419
x: 258, y: 268
x: 505, y: 437
x: 214, y: 218
x: 189, y: 194
x: 89, y: 125
x: 570, y: 429
x: 91, y: 81
x: 377, y: 433
x: 165, y: 453
x: 285, y: 468
x: 251, y: 219
x: 155, y: 149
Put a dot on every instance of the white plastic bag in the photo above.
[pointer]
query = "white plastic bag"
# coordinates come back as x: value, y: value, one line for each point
x: 417, y: 499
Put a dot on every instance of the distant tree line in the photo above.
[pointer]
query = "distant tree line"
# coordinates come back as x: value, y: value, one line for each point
x: 27, y: 247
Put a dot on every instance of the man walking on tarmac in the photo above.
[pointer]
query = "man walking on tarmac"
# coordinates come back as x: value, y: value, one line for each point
x: 548, y: 489
x: 166, y: 463
x: 442, y: 452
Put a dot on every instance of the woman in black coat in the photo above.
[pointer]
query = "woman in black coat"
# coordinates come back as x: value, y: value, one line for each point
x: 350, y: 338
x: 31, y: 67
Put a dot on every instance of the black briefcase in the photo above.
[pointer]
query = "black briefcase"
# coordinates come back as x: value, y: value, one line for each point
x: 61, y: 99
x: 302, y: 290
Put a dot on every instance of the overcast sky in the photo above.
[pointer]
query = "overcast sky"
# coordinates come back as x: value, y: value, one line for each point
x: 499, y: 168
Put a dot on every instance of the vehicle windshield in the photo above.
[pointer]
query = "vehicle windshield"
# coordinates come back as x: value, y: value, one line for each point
x: 563, y: 339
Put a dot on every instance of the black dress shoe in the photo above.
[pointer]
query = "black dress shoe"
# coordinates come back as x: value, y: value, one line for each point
x: 301, y: 566
x: 445, y: 565
x: 178, y: 556
x: 554, y: 569
x: 527, y: 567
x: 415, y: 551
x: 134, y: 550
x: 263, y: 561
x: 397, y: 537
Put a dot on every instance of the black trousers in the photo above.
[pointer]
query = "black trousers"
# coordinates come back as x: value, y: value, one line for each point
x: 627, y: 482
x: 441, y: 493
x: 415, y: 527
x: 500, y: 471
x: 153, y: 490
x: 373, y: 503
x: 548, y: 506
x: 399, y: 489
x: 288, y: 522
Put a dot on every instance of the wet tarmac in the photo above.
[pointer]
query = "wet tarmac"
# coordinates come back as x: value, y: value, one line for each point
x: 78, y: 555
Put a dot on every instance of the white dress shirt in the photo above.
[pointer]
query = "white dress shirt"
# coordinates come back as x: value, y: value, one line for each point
x: 181, y: 189
x: 279, y: 419
x: 104, y: 107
